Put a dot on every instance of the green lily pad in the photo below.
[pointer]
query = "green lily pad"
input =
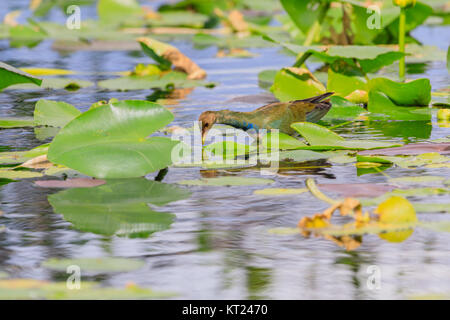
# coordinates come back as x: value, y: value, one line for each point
x: 266, y: 78
x: 20, y: 289
x: 111, y: 141
x: 22, y: 156
x: 10, y: 76
x: 413, y: 93
x: 381, y: 107
x: 342, y: 109
x: 284, y: 142
x: 172, y: 79
x: 97, y: 265
x: 18, y: 174
x: 302, y: 155
x: 55, y: 83
x: 342, y: 85
x: 295, y: 83
x: 226, y: 181
x: 352, y: 59
x: 54, y: 113
x: 119, y: 207
x: 16, y: 122
x: 322, y: 138
x: 118, y: 11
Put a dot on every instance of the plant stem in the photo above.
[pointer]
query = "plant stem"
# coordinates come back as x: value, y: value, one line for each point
x: 401, y: 43
x: 315, y: 28
x: 312, y: 187
x: 312, y: 33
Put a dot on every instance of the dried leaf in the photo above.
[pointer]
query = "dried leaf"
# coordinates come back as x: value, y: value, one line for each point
x: 178, y: 59
x: 39, y: 162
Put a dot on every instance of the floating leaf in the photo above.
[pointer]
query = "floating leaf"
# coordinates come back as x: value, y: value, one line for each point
x: 119, y: 11
x: 19, y: 289
x: 348, y: 59
x: 381, y: 107
x: 10, y: 75
x: 110, y: 141
x: 22, y: 156
x: 284, y: 142
x: 322, y: 138
x: 226, y: 181
x: 413, y: 93
x: 16, y: 122
x: 296, y: 83
x: 56, y: 83
x: 172, y: 79
x: 342, y: 109
x: 118, y: 207
x: 97, y: 265
x: 54, y: 113
x: 342, y: 85
x: 18, y: 174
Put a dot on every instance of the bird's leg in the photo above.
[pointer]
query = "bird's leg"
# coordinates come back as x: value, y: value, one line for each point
x: 161, y: 174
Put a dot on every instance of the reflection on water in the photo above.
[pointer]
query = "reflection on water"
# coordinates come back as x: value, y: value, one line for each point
x: 214, y: 243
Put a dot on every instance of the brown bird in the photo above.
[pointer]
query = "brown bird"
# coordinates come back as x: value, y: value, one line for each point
x: 278, y: 115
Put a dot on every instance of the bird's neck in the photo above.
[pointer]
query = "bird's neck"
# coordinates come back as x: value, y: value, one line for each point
x: 234, y: 119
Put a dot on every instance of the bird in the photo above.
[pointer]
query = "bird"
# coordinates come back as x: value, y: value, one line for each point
x: 277, y: 115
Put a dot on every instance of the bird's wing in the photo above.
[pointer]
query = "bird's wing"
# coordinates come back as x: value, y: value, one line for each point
x: 270, y: 106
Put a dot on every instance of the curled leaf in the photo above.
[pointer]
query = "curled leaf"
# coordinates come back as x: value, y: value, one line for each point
x: 169, y: 54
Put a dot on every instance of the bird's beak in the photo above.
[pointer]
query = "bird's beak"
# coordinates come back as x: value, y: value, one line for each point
x: 204, y: 132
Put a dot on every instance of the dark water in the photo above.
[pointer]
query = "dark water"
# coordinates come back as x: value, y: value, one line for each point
x: 219, y: 245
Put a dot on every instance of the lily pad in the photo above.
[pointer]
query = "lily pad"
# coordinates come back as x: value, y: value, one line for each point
x: 172, y: 79
x: 10, y: 76
x: 413, y: 93
x: 111, y: 141
x: 296, y: 83
x: 381, y: 107
x: 54, y: 113
x: 18, y: 174
x: 16, y: 122
x: 322, y: 138
x: 55, y: 83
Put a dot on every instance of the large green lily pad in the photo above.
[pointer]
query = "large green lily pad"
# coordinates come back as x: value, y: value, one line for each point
x: 111, y: 141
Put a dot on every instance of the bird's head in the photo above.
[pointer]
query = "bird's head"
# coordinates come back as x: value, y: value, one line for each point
x: 207, y: 120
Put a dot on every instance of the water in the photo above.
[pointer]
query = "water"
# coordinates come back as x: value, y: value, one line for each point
x: 218, y: 246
